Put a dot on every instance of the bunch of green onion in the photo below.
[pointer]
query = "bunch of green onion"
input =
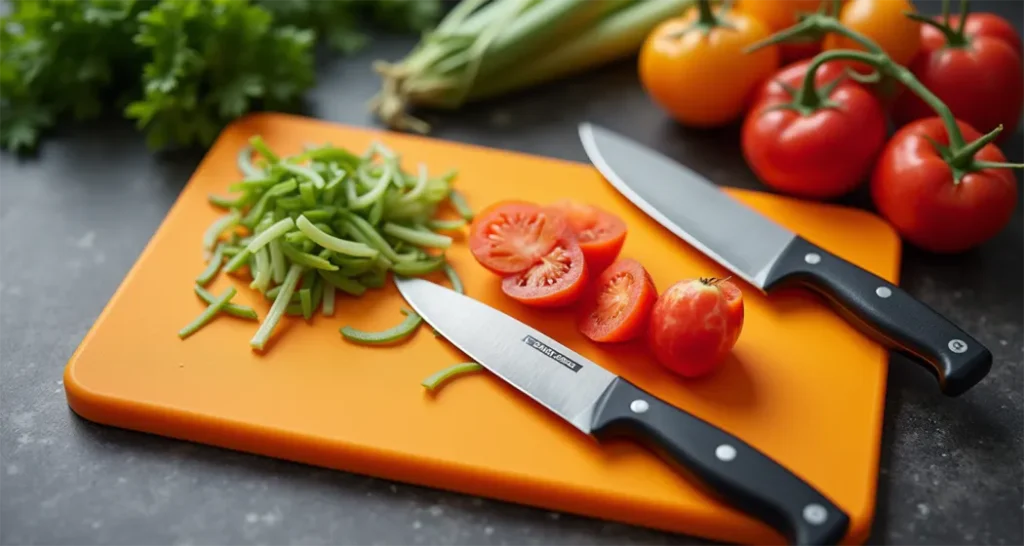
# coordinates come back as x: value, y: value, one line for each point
x: 487, y: 48
x: 321, y: 222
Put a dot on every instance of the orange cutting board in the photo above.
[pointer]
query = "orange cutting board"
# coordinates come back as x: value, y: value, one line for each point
x: 801, y: 384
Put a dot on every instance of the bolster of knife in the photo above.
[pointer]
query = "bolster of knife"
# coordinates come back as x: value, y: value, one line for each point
x: 887, y: 313
x: 724, y: 465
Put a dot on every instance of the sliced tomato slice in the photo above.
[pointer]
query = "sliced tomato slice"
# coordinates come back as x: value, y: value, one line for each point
x: 600, y: 233
x: 557, y: 279
x: 510, y: 236
x: 620, y: 306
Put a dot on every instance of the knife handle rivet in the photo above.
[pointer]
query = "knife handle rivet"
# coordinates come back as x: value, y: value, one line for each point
x: 958, y: 346
x: 883, y: 291
x: 812, y: 258
x: 639, y: 406
x: 725, y: 452
x: 815, y: 514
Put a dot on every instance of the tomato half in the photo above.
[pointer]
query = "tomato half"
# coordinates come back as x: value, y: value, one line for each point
x: 510, y: 236
x: 599, y: 233
x: 621, y: 303
x: 556, y: 279
x: 695, y: 324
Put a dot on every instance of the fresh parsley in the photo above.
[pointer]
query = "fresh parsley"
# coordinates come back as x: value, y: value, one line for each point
x: 181, y: 69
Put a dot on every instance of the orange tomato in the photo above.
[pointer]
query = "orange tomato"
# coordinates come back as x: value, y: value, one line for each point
x: 698, y: 72
x: 778, y: 14
x: 781, y: 14
x: 883, y: 22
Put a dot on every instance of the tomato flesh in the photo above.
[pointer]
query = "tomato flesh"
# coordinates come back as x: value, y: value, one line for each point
x: 599, y: 233
x: 695, y: 324
x: 556, y: 279
x: 621, y: 305
x: 511, y: 236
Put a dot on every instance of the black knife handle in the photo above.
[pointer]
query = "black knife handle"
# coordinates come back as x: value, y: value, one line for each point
x: 887, y: 313
x: 724, y: 465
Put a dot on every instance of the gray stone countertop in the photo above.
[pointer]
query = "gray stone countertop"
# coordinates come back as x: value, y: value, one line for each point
x: 73, y: 221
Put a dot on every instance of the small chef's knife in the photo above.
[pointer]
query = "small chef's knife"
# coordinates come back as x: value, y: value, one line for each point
x: 768, y: 255
x: 601, y: 404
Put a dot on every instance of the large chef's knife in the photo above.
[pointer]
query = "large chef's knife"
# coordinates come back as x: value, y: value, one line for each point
x: 601, y: 404
x: 767, y: 255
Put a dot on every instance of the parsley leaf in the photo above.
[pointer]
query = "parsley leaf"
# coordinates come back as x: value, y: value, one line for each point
x: 184, y: 68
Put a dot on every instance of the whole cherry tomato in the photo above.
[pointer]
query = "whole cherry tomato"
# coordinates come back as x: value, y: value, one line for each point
x: 882, y: 21
x: 914, y: 188
x: 695, y: 324
x: 977, y: 73
x: 819, y: 149
x: 695, y: 69
x: 620, y: 306
x: 780, y: 14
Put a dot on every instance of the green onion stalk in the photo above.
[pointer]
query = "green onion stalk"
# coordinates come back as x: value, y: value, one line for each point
x: 959, y: 155
x: 485, y: 49
x: 321, y: 223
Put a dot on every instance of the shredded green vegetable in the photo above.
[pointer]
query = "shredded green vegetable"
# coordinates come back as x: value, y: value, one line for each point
x: 391, y: 335
x: 324, y: 222
x: 271, y: 233
x: 215, y: 230
x: 245, y: 163
x: 212, y: 267
x: 259, y: 341
x: 453, y: 278
x: 439, y: 378
x: 240, y: 311
x: 327, y: 306
x: 335, y: 244
x: 446, y: 225
x: 417, y: 237
x: 207, y: 315
x: 461, y: 206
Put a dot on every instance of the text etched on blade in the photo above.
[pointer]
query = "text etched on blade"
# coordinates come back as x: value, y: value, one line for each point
x: 552, y: 354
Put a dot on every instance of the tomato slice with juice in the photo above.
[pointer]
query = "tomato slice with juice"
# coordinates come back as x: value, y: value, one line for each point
x: 599, y: 233
x: 556, y: 279
x: 620, y: 306
x: 511, y: 236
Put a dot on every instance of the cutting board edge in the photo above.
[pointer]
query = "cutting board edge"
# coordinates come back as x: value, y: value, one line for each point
x: 396, y: 466
x: 413, y: 470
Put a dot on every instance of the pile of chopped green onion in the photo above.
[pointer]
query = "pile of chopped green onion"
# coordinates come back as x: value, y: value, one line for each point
x: 322, y: 222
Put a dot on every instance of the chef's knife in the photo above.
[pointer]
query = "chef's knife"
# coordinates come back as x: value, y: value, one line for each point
x: 768, y: 255
x: 601, y: 404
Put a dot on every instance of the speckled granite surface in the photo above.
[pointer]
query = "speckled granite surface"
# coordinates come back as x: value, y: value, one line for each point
x: 72, y: 224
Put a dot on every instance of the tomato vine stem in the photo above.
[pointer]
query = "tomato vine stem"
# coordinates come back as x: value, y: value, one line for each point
x: 955, y: 37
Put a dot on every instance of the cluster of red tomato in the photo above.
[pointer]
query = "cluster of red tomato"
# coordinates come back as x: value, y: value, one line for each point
x: 822, y: 137
x: 547, y: 257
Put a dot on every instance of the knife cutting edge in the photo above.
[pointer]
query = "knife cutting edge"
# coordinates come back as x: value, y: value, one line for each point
x: 767, y: 255
x: 603, y: 405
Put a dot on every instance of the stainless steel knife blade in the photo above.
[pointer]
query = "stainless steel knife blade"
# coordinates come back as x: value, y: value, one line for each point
x: 688, y: 205
x: 544, y: 369
x: 767, y: 255
x: 604, y: 405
